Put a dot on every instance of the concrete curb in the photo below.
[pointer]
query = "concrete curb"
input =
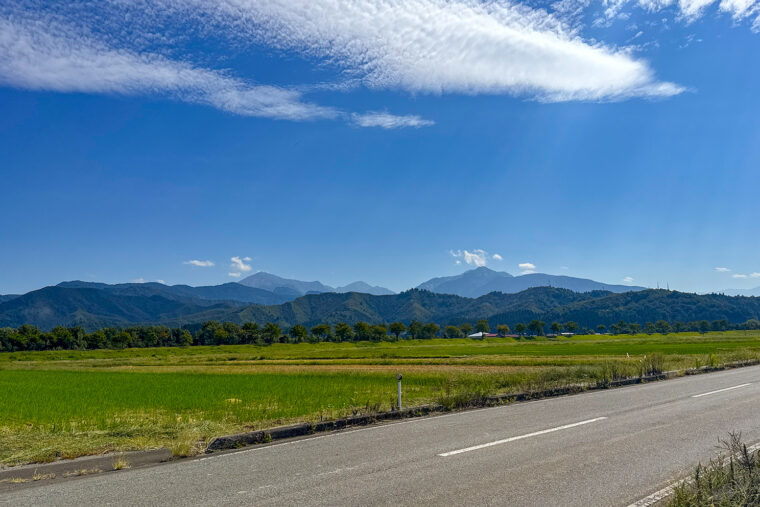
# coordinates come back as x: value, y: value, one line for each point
x: 86, y: 465
x: 298, y: 430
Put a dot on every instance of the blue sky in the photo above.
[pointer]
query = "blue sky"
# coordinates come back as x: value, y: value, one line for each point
x: 387, y: 141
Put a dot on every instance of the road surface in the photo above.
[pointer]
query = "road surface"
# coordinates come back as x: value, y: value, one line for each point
x: 609, y: 447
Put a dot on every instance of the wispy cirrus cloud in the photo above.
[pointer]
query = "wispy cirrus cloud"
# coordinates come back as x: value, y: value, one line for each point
x: 40, y: 51
x: 42, y: 54
x: 199, y: 263
x: 687, y: 11
x: 438, y: 46
x: 722, y: 270
x: 389, y: 121
x: 628, y: 279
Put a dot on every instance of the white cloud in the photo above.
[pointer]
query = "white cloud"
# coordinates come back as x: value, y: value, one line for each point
x: 628, y: 279
x: 739, y: 275
x: 161, y: 281
x: 527, y: 268
x: 200, y: 264
x: 477, y: 257
x: 497, y: 257
x: 139, y: 280
x: 754, y: 275
x: 689, y: 10
x: 40, y: 54
x: 238, y: 266
x: 436, y: 46
x: 389, y: 121
x: 722, y: 270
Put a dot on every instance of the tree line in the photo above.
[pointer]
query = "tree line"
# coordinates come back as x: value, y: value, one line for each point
x: 28, y: 337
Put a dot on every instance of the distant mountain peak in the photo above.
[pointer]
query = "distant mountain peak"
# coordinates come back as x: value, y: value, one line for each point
x: 365, y: 288
x: 482, y: 280
x: 280, y: 285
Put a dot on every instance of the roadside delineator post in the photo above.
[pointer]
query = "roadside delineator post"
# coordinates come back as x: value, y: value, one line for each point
x: 398, y: 377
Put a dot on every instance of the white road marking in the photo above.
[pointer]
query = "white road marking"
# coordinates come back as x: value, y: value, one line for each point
x: 668, y: 490
x: 656, y: 496
x: 721, y: 390
x: 520, y: 437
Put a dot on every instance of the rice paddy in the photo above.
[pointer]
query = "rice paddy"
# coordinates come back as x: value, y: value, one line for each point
x: 61, y: 404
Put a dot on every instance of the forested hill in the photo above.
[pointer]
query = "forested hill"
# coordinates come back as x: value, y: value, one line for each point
x: 93, y: 308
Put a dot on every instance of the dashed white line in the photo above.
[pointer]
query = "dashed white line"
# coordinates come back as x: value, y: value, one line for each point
x: 520, y: 437
x: 721, y: 390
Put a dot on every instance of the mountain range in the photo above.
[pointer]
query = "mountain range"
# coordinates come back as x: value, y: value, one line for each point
x: 479, y: 281
x: 294, y: 288
x: 93, y: 308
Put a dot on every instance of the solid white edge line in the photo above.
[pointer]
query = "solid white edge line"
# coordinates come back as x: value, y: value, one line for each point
x: 668, y: 490
x: 721, y: 390
x: 520, y: 437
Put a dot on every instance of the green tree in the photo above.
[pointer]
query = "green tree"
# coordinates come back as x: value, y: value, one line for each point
x: 466, y: 328
x: 662, y: 327
x: 250, y: 333
x: 502, y: 329
x: 430, y: 330
x: 634, y: 328
x: 537, y: 327
x: 649, y: 328
x: 362, y: 331
x: 601, y: 329
x: 184, y: 338
x: 720, y: 325
x: 571, y: 327
x: 298, y: 333
x: 452, y: 332
x: 397, y: 328
x: 122, y: 340
x: 321, y: 331
x: 703, y: 326
x: 343, y: 332
x: 415, y: 329
x: 271, y: 333
x: 520, y: 328
x: 556, y: 327
x: 379, y: 332
x: 482, y: 326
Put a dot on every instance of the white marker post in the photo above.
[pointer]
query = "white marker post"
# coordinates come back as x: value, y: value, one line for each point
x: 398, y: 377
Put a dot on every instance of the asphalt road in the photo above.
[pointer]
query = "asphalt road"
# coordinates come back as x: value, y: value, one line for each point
x: 599, y: 448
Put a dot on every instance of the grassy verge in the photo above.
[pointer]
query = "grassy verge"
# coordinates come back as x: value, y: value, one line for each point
x: 731, y: 479
x: 71, y: 403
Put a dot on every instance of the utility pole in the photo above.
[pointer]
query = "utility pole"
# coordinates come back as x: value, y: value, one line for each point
x: 399, y: 377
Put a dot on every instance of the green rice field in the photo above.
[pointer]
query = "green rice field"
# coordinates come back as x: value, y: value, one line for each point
x: 62, y: 404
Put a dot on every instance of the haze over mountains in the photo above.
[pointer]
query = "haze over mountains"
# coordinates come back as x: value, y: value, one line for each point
x: 742, y: 292
x: 263, y: 297
x: 480, y: 281
x: 295, y: 288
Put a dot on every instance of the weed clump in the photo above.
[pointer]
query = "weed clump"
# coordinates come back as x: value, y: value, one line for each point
x: 731, y: 479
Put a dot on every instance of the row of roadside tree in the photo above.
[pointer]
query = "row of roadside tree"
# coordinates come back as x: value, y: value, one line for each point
x: 29, y: 337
